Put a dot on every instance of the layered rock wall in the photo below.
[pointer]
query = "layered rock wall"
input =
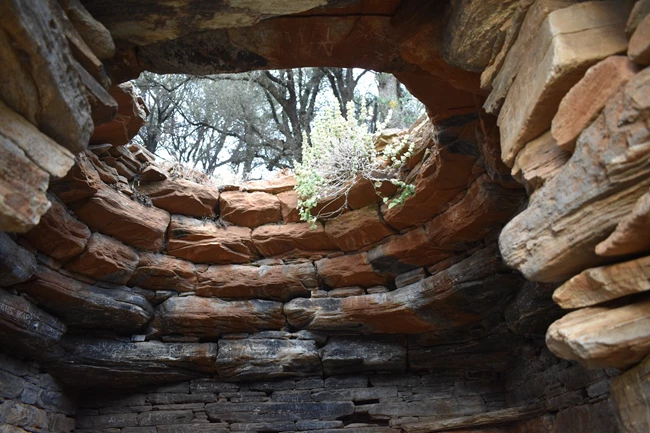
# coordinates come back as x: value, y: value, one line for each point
x: 198, y: 306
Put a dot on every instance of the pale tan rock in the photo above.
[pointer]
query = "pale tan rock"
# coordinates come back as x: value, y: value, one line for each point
x: 349, y: 270
x: 182, y: 197
x: 555, y: 237
x: 629, y: 393
x: 631, y: 233
x: 597, y: 285
x: 211, y: 317
x: 587, y: 98
x: 105, y: 259
x: 357, y: 229
x: 162, y: 272
x: 204, y: 242
x: 289, y: 206
x: 249, y: 209
x: 538, y: 162
x: 115, y: 214
x: 38, y: 147
x: 278, y: 283
x: 59, y: 234
x: 569, y: 41
x: 23, y: 186
x: 603, y: 337
x: 292, y: 240
x: 639, y: 48
x: 37, y: 74
x: 151, y: 173
x: 92, y: 31
x: 344, y: 292
x: 515, y: 56
x: 640, y: 10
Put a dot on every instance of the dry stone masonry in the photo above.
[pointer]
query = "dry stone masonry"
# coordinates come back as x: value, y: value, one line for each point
x: 508, y: 295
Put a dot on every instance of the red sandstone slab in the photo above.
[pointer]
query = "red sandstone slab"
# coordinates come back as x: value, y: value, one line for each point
x: 59, y: 234
x: 279, y: 283
x: 161, y: 272
x: 357, y: 229
x: 292, y: 240
x: 115, y: 214
x: 349, y: 270
x: 289, y: 206
x: 105, y: 259
x: 249, y: 209
x: 203, y: 242
x: 182, y: 197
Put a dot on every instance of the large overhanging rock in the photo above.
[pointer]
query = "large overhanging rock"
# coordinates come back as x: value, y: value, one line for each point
x: 556, y: 236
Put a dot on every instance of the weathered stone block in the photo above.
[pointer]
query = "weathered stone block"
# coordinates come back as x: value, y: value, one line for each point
x: 247, y: 412
x: 289, y: 207
x: 182, y: 197
x: 357, y: 229
x: 292, y: 240
x: 37, y: 77
x: 639, y: 48
x: 249, y: 209
x: 88, y: 306
x: 555, y: 237
x: 568, y: 42
x: 59, y: 234
x: 17, y: 264
x: 105, y: 259
x: 587, y: 98
x: 204, y: 242
x: 131, y: 115
x: 597, y: 285
x: 114, y: 214
x: 161, y: 272
x: 279, y: 283
x: 211, y: 317
x: 349, y: 270
x: 629, y: 237
x: 267, y: 358
x: 538, y: 162
x: 603, y: 337
x: 363, y: 354
x: 630, y: 398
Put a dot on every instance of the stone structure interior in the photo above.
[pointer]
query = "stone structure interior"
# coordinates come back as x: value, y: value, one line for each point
x: 508, y: 295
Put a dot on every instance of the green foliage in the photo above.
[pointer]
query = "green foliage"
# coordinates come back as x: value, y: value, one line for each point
x: 341, y: 150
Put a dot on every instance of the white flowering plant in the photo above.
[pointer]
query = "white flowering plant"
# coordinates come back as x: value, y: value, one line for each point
x: 340, y: 151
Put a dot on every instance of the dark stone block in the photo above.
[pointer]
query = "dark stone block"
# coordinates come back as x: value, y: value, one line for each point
x: 277, y: 412
x: 16, y: 263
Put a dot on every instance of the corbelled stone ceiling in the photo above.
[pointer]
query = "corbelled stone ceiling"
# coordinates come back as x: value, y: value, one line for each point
x: 508, y: 295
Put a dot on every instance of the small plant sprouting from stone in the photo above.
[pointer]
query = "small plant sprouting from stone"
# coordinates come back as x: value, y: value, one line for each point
x: 340, y: 151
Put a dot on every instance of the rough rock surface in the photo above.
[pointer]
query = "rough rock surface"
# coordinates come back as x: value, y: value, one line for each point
x: 204, y: 242
x: 16, y: 263
x: 349, y: 270
x: 603, y: 337
x: 95, y: 361
x: 22, y: 189
x: 211, y: 317
x: 182, y: 197
x: 289, y: 206
x: 539, y: 162
x: 267, y: 358
x: 26, y: 328
x: 582, y: 104
x: 249, y: 209
x: 629, y: 237
x: 88, y: 306
x: 161, y: 272
x: 630, y: 397
x: 344, y: 355
x: 278, y: 283
x: 597, y: 285
x: 59, y: 234
x: 557, y: 60
x: 292, y: 240
x: 639, y: 48
x: 131, y: 115
x: 105, y: 259
x: 555, y: 237
x: 115, y: 214
x: 82, y: 181
x: 357, y: 229
x: 36, y: 74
